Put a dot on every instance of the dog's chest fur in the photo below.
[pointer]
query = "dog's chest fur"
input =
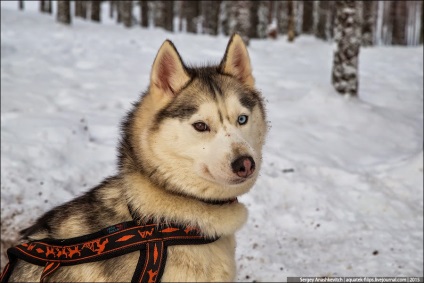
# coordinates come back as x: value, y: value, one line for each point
x: 104, y: 206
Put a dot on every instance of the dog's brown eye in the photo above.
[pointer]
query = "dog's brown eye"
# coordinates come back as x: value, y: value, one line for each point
x: 201, y: 127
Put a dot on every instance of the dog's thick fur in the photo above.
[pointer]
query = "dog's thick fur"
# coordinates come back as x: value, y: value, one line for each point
x: 177, y: 154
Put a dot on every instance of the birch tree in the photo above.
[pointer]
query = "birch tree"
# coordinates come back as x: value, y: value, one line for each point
x: 347, y: 42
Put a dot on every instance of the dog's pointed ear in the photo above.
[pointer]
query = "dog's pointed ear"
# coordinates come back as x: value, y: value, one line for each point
x: 236, y: 61
x: 168, y: 72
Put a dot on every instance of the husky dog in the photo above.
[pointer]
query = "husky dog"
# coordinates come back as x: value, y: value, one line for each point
x: 190, y: 146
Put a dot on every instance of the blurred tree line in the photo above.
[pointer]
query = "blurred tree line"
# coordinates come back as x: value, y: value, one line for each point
x: 350, y: 24
x: 382, y: 22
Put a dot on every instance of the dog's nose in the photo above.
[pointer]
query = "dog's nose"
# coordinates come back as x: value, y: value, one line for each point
x: 243, y: 166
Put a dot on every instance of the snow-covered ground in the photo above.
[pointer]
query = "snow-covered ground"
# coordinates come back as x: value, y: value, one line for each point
x: 341, y: 189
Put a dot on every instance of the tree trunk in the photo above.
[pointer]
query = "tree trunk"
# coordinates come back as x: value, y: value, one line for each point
x: 291, y: 33
x: 64, y: 12
x: 422, y: 23
x: 414, y: 9
x: 95, y: 10
x: 21, y: 4
x: 368, y: 22
x: 112, y: 7
x: 84, y: 9
x: 225, y: 17
x: 169, y: 15
x: 79, y: 9
x: 43, y: 6
x: 254, y: 19
x: 164, y: 15
x: 180, y: 16
x: 159, y: 17
x: 271, y: 11
x: 210, y: 13
x: 243, y: 19
x: 297, y: 10
x: 126, y: 12
x: 331, y: 19
x: 308, y: 17
x: 144, y: 7
x: 347, y: 39
x: 49, y: 6
x: 119, y: 11
x: 323, y: 7
x: 387, y: 25
x: 399, y: 17
x: 191, y: 14
x: 282, y: 17
x: 263, y: 16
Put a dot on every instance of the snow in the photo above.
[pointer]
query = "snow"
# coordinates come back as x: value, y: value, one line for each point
x: 341, y: 188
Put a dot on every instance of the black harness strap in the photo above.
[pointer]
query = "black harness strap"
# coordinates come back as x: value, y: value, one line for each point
x: 151, y: 265
x: 49, y: 269
x: 150, y: 239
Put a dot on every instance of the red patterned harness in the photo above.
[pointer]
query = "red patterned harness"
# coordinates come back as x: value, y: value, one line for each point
x: 151, y: 240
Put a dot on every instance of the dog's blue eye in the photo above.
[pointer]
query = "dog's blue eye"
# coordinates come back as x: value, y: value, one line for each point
x: 201, y: 127
x: 242, y: 119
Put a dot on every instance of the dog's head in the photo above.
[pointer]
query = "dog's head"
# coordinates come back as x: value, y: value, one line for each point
x: 198, y: 131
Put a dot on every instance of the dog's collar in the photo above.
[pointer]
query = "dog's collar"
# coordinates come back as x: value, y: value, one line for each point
x: 207, y: 201
x: 219, y: 202
x: 136, y: 218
